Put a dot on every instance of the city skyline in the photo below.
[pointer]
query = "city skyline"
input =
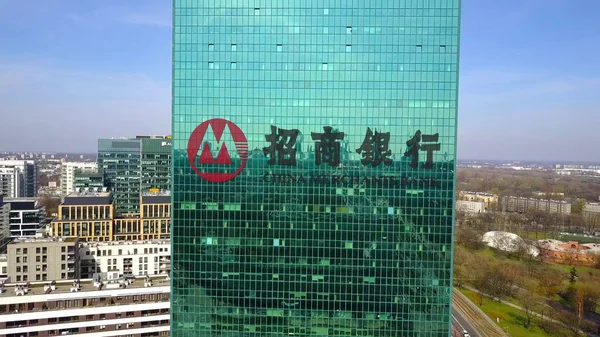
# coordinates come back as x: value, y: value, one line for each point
x: 76, y: 72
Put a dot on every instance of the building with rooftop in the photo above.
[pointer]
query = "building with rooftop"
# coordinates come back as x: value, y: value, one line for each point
x: 4, y: 223
x: 470, y: 207
x: 18, y: 178
x: 570, y: 253
x: 88, y: 215
x: 3, y: 267
x: 314, y: 147
x: 155, y: 165
x: 591, y: 208
x: 134, y: 166
x: 26, y: 217
x: 138, y: 258
x: 153, y: 221
x: 88, y: 181
x: 67, y: 174
x: 119, y: 161
x: 10, y: 182
x: 490, y: 200
x: 106, y: 306
x: 43, y: 259
x: 523, y: 205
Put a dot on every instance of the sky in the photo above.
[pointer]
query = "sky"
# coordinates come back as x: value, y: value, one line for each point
x: 73, y: 71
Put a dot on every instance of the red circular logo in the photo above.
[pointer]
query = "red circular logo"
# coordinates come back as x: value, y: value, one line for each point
x: 220, y: 128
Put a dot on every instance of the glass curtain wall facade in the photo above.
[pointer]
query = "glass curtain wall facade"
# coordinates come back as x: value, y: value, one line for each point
x: 119, y: 162
x: 314, y: 146
x: 156, y: 164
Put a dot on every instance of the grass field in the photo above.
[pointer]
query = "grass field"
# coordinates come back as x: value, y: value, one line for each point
x: 510, y: 318
x: 580, y: 239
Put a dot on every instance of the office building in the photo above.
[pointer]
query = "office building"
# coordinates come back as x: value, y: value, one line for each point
x: 43, y: 259
x: 119, y: 161
x: 91, y: 216
x: 139, y: 258
x: 87, y: 215
x: 314, y: 148
x: 132, y: 166
x: 18, y: 178
x: 109, y: 306
x: 26, y: 217
x: 155, y: 168
x: 153, y: 221
x: 88, y: 181
x: 67, y: 174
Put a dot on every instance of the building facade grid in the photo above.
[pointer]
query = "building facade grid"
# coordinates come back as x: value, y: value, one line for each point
x: 314, y: 147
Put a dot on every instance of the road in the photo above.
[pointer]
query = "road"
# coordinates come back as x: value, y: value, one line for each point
x: 461, y: 323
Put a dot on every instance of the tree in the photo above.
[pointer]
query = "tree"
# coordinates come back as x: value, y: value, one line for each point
x: 530, y: 304
x: 596, y: 258
x: 51, y: 204
x: 549, y: 281
x: 468, y: 237
x: 573, y: 276
x: 578, y: 206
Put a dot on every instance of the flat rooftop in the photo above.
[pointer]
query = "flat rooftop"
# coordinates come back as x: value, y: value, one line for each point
x: 64, y: 286
x: 46, y: 239
x: 156, y: 199
x: 88, y: 198
x: 21, y: 204
x: 124, y: 243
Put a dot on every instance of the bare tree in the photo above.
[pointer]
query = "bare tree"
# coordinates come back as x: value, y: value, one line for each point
x: 530, y: 304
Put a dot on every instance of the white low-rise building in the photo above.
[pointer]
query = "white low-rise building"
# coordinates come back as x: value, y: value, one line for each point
x: 152, y: 257
x: 105, y: 307
x: 470, y: 206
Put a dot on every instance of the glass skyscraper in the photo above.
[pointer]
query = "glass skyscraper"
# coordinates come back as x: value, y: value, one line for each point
x: 133, y: 166
x: 314, y: 146
x: 119, y: 162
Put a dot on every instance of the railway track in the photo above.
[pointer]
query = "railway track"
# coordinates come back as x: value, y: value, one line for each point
x: 468, y: 309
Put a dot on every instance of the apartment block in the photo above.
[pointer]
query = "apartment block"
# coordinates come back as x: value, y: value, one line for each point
x: 107, y: 306
x: 520, y: 204
x: 152, y: 257
x: 18, y: 178
x: 471, y: 207
x: 43, y: 259
x: 26, y: 217
x: 489, y: 199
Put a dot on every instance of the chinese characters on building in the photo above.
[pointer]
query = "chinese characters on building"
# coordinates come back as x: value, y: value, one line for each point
x: 374, y: 149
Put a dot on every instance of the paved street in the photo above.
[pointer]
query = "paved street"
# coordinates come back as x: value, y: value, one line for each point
x: 461, y: 323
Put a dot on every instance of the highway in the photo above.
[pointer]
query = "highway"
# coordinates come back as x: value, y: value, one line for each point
x: 461, y: 323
